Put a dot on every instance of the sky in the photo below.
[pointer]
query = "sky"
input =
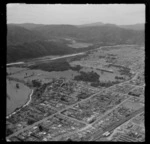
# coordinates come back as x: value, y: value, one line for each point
x: 76, y: 14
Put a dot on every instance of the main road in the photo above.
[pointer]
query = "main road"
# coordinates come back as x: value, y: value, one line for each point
x: 98, y: 118
x: 36, y: 123
x: 59, y: 57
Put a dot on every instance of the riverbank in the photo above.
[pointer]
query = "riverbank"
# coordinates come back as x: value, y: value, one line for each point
x: 18, y: 109
x: 14, y: 63
x: 64, y: 56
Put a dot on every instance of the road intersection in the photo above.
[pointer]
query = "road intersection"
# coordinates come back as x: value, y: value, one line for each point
x: 70, y: 106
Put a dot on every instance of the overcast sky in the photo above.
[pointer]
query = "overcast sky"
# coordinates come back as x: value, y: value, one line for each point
x: 76, y: 14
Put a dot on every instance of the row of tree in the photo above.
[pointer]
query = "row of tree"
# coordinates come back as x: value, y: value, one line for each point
x: 59, y: 65
x: 87, y: 77
x: 104, y: 84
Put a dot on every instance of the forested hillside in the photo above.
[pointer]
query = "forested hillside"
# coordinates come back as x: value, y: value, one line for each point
x: 30, y: 41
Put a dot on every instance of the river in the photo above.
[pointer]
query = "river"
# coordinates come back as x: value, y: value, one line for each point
x: 17, y: 97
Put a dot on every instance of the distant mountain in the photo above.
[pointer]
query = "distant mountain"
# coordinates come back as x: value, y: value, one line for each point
x: 140, y: 26
x: 28, y: 26
x: 54, y: 31
x: 25, y: 43
x: 18, y: 35
x: 92, y: 24
x: 100, y: 32
x: 107, y: 33
x: 36, y: 49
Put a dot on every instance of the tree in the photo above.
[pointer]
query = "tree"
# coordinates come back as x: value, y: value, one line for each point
x: 36, y: 83
x: 30, y: 122
x: 17, y: 85
x: 41, y: 128
x: 87, y: 77
x: 76, y: 68
x: 69, y: 139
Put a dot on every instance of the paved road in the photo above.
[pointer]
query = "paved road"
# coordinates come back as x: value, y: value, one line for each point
x: 90, y: 125
x: 99, y: 135
x: 98, y: 118
x: 28, y: 127
x: 46, y: 59
x: 49, y: 59
x: 71, y: 118
x: 16, y: 63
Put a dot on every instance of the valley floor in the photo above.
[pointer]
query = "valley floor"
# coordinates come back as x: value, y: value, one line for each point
x: 80, y: 108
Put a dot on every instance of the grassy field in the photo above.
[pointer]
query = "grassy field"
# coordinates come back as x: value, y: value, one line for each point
x: 107, y: 63
x: 13, y: 70
x: 43, y: 76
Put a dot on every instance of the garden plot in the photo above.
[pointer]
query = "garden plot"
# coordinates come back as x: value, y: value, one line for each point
x: 126, y: 56
x: 113, y: 64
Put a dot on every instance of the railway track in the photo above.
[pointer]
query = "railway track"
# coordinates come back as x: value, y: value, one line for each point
x: 117, y: 124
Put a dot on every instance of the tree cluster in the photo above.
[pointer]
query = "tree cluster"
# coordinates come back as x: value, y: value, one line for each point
x: 87, y: 77
x: 36, y: 83
x: 125, y: 71
x: 59, y: 65
x: 103, y: 84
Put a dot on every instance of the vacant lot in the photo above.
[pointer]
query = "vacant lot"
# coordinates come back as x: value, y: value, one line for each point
x: 132, y: 105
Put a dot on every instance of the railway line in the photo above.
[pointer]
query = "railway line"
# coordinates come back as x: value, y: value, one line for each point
x: 117, y: 124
